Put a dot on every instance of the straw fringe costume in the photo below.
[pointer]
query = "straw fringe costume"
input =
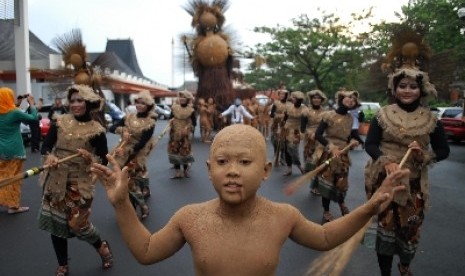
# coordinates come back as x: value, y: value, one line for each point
x: 205, y: 120
x: 263, y: 114
x: 333, y: 181
x: 293, y: 127
x: 334, y: 132
x: 314, y: 117
x: 69, y: 190
x: 136, y: 150
x: 180, y: 143
x: 393, y: 130
x: 277, y: 125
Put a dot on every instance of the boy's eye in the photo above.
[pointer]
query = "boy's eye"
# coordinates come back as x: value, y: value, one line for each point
x: 245, y: 162
x: 221, y: 161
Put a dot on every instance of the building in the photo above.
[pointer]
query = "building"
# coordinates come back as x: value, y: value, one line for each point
x: 121, y: 73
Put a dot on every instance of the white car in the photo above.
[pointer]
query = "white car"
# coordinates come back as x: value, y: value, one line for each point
x: 374, y: 106
x: 163, y: 111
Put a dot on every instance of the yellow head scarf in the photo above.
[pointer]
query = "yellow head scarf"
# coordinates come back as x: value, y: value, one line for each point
x: 7, y: 101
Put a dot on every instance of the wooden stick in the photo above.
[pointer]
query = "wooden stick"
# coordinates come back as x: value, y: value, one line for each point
x: 292, y: 187
x: 334, y: 261
x: 33, y: 171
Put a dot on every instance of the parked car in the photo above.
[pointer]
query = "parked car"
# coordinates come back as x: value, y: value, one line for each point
x: 163, y: 111
x: 44, y: 121
x: 108, y: 119
x: 450, y: 112
x: 44, y: 125
x: 373, y: 106
x: 454, y: 127
x: 114, y: 111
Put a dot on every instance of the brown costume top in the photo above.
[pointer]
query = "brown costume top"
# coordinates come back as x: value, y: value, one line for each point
x: 314, y: 117
x: 400, y: 128
x: 293, y: 122
x: 136, y: 126
x: 72, y: 135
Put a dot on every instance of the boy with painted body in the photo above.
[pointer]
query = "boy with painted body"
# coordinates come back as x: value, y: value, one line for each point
x: 230, y: 235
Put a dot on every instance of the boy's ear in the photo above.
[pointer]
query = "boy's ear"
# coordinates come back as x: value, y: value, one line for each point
x: 267, y: 168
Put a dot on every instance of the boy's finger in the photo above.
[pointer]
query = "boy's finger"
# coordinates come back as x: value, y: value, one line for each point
x: 113, y: 162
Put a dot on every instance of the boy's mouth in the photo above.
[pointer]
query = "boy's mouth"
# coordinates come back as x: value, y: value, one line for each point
x: 232, y: 187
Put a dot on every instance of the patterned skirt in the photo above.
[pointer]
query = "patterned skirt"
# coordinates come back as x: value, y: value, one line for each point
x: 10, y: 195
x: 399, y: 226
x: 180, y: 151
x: 62, y: 219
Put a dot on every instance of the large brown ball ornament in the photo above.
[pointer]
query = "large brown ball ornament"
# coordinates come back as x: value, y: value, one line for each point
x: 82, y: 78
x: 208, y: 21
x: 212, y: 51
x: 76, y: 60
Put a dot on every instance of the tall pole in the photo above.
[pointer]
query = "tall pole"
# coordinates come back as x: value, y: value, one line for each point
x: 461, y: 15
x: 172, y: 62
x: 22, y: 59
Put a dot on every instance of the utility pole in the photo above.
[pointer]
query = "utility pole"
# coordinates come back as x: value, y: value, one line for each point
x: 172, y: 62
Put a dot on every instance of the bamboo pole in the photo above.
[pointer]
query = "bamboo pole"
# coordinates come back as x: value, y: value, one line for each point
x: 333, y: 262
x: 33, y: 171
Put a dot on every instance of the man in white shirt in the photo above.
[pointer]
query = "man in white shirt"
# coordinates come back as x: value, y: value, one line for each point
x: 237, y: 112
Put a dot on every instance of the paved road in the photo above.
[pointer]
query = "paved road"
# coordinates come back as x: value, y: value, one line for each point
x: 25, y: 250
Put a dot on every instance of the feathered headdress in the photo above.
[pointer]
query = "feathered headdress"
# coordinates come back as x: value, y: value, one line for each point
x: 408, y: 56
x: 75, y: 58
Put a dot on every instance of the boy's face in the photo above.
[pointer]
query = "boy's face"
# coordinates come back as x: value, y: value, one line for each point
x: 237, y: 164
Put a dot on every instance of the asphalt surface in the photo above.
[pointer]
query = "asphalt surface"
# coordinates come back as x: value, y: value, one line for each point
x: 26, y: 250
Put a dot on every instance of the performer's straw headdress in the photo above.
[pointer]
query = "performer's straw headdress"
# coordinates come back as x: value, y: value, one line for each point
x: 408, y: 56
x: 341, y: 94
x: 145, y: 97
x: 185, y: 94
x: 319, y: 93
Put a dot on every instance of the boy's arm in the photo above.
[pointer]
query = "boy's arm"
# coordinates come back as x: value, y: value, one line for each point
x: 147, y: 248
x: 327, y: 236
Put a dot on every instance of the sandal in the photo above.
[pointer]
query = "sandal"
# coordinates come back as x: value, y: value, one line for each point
x: 404, y: 270
x: 62, y: 270
x: 146, y: 192
x: 177, y: 176
x: 145, y: 212
x: 288, y: 172
x: 315, y: 191
x: 327, y: 216
x: 107, y: 260
x: 18, y: 210
x: 344, y: 209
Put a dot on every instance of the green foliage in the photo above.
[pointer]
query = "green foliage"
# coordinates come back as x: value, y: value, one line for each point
x: 323, y: 53
x: 314, y: 53
x: 369, y: 115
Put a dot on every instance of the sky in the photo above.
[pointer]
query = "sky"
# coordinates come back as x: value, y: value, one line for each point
x: 152, y: 25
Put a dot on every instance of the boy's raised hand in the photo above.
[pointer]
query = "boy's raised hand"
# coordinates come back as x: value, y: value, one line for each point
x: 113, y: 179
x: 385, y: 193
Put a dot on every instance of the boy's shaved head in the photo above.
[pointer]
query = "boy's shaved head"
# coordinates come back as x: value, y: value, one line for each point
x: 242, y: 136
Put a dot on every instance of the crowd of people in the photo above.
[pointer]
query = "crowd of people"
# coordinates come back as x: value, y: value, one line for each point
x: 303, y: 134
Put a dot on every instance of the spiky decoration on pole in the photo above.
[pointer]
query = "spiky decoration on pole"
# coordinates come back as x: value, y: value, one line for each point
x: 211, y: 54
x: 75, y: 58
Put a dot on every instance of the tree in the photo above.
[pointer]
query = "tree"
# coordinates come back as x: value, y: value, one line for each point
x: 442, y: 31
x: 313, y: 53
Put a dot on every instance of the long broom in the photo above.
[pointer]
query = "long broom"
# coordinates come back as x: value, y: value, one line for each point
x: 334, y: 261
x: 32, y: 171
x: 292, y: 187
